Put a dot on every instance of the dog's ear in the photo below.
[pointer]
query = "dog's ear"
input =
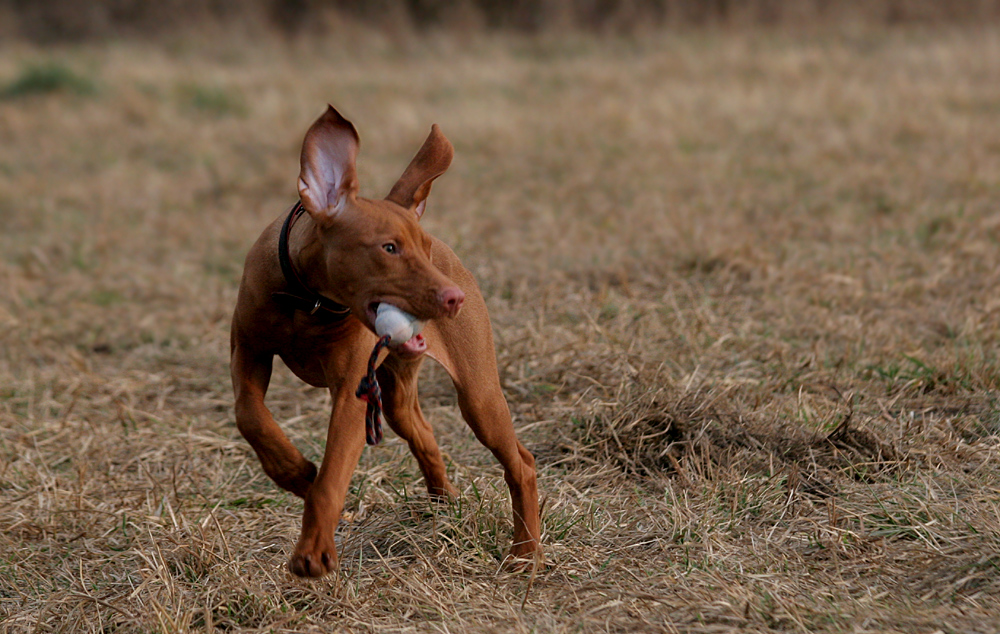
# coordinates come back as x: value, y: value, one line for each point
x: 328, y: 176
x: 431, y: 161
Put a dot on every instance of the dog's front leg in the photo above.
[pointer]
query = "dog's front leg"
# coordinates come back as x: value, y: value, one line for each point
x: 281, y: 460
x: 315, y: 554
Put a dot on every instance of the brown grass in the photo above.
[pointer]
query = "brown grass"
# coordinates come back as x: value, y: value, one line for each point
x: 745, y: 291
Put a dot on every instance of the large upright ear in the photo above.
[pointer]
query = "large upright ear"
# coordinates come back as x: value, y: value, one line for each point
x: 328, y: 176
x: 431, y: 161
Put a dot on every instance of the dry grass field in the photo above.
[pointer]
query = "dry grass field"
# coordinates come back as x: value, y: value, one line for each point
x: 746, y: 294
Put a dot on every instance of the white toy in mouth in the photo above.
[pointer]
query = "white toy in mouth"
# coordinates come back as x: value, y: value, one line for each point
x: 398, y: 324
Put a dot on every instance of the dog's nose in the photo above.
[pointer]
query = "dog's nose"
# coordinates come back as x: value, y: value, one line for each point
x: 451, y: 300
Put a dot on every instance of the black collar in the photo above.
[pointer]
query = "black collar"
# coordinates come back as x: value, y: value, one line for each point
x: 297, y: 295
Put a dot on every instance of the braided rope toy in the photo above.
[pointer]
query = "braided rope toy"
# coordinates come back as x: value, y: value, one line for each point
x: 392, y: 326
x: 370, y: 392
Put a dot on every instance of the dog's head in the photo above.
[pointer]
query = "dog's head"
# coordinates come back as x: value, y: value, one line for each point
x: 374, y: 250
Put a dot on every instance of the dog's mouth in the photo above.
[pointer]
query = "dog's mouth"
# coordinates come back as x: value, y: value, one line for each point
x: 412, y: 347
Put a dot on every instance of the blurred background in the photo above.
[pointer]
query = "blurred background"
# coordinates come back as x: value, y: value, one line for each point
x: 66, y: 20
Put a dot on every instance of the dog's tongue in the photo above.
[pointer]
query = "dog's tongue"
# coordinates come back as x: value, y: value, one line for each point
x: 414, y: 345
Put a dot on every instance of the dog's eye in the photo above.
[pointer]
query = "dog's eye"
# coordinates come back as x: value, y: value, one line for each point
x: 389, y: 248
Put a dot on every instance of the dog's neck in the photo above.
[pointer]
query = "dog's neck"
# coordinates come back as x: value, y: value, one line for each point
x: 305, y: 251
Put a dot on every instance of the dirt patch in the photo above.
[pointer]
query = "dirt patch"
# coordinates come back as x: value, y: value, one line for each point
x: 701, y: 434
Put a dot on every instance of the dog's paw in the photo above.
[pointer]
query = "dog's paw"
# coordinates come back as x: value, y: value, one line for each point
x: 442, y: 493
x: 532, y: 561
x: 312, y: 564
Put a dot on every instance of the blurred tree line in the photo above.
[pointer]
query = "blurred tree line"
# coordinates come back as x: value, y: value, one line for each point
x: 74, y: 20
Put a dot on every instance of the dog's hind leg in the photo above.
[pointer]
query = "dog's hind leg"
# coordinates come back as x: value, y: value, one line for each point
x: 464, y: 346
x: 398, y: 379
x: 485, y: 410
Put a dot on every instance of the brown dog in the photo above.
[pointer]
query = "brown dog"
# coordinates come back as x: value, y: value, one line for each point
x: 310, y: 289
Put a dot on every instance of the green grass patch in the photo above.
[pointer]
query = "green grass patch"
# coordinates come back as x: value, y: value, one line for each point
x: 213, y: 101
x: 45, y: 79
